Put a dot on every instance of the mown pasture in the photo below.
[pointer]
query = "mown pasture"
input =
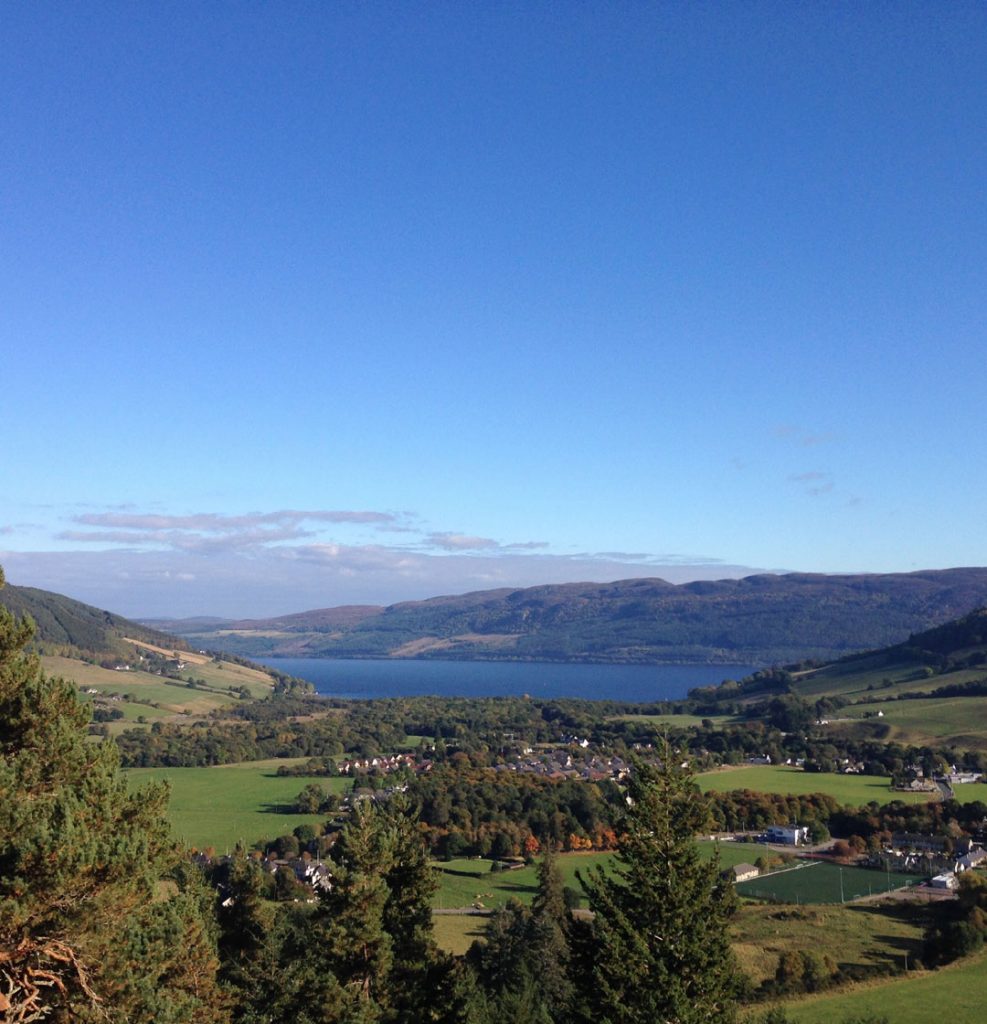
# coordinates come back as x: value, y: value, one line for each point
x: 855, y: 790
x: 955, y: 992
x: 227, y: 804
x: 971, y: 792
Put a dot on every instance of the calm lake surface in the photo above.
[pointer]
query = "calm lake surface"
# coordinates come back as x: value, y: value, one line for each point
x: 363, y: 680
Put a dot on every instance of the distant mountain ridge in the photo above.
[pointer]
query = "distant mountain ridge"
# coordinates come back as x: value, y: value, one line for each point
x: 67, y: 626
x: 759, y: 619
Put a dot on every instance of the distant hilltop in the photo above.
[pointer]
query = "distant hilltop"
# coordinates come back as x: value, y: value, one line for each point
x: 762, y: 619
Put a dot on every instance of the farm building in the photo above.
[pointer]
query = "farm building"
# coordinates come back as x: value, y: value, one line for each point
x: 745, y: 872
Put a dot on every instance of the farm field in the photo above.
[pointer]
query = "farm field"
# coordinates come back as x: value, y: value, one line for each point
x: 858, y: 679
x: 681, y: 721
x: 971, y: 792
x: 455, y: 933
x: 855, y: 790
x: 864, y: 936
x: 222, y: 674
x: 463, y: 880
x: 955, y: 993
x: 950, y: 721
x: 173, y: 696
x: 227, y: 804
x: 821, y: 882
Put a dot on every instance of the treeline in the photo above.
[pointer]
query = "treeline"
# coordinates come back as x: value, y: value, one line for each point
x: 477, y: 812
x: 277, y: 727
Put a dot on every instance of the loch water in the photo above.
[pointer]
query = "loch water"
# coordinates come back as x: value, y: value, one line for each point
x: 369, y: 679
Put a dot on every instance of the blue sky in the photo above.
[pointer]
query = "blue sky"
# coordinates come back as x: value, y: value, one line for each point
x: 310, y: 304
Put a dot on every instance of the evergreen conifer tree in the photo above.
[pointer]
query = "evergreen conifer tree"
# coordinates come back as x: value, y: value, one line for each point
x: 551, y: 938
x: 659, y: 942
x: 86, y: 932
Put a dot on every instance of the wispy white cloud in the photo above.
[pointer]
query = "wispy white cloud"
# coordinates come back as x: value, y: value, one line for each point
x: 143, y: 562
x: 291, y: 578
x: 212, y: 532
x: 215, y: 522
x: 461, y: 542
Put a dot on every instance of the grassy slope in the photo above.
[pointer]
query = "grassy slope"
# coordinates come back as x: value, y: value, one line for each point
x: 849, y: 789
x: 154, y: 697
x: 942, y: 721
x: 868, y: 935
x: 223, y: 805
x: 954, y: 993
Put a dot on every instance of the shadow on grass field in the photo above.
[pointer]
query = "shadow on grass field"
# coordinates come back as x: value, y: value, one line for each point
x: 954, y: 993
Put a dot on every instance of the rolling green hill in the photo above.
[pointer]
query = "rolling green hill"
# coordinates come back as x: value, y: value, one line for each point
x: 930, y: 689
x: 757, y: 620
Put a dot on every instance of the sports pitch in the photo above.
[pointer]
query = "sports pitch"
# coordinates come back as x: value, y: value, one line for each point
x: 813, y: 881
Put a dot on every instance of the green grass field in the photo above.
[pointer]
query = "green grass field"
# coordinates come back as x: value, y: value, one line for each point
x: 869, y: 936
x: 945, y: 721
x: 821, y: 882
x: 970, y: 792
x: 859, y: 679
x: 173, y: 697
x: 864, y: 936
x: 855, y: 790
x: 954, y: 993
x: 463, y: 882
x: 224, y: 805
x: 681, y: 721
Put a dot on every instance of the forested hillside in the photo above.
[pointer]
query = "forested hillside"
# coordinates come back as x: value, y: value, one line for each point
x: 759, y: 619
x: 66, y: 626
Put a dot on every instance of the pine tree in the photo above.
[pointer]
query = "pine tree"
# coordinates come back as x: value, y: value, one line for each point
x: 523, y: 961
x: 659, y: 932
x: 85, y: 930
x: 551, y: 938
